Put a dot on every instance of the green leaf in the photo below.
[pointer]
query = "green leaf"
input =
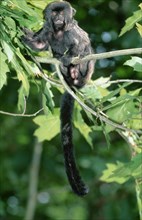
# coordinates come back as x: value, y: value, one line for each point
x: 131, y: 21
x: 125, y: 109
x: 22, y: 6
x: 49, y: 126
x: 136, y: 63
x: 22, y: 77
x: 139, y: 28
x: 47, y: 99
x: 106, y: 133
x: 21, y: 12
x: 39, y: 4
x: 111, y: 95
x: 94, y: 92
x: 131, y: 169
x: 91, y: 92
x: 20, y: 72
x: 8, y: 51
x: 10, y: 23
x: 104, y: 82
x: 121, y: 172
x: 82, y: 126
x: 108, y: 176
x: 122, y: 112
x: 135, y: 123
x: 25, y: 63
x: 21, y: 99
x: 3, y: 69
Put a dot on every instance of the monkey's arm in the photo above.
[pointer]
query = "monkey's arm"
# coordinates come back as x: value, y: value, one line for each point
x: 36, y: 41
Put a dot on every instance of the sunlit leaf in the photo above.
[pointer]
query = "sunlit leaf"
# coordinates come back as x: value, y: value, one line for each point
x: 47, y: 97
x: 121, y: 172
x: 22, y: 77
x: 49, y: 126
x: 8, y: 51
x: 39, y: 4
x: 3, y: 69
x: 92, y: 92
x: 10, y: 23
x: 139, y: 28
x: 136, y: 63
x: 122, y: 112
x: 131, y: 21
x: 140, y: 5
x: 22, y: 6
x: 107, y: 174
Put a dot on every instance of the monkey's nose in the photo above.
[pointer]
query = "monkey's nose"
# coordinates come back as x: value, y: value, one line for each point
x: 59, y: 22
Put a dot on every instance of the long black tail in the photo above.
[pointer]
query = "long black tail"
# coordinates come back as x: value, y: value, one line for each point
x: 74, y: 178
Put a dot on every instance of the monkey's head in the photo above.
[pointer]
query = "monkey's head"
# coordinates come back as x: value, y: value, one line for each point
x: 59, y: 15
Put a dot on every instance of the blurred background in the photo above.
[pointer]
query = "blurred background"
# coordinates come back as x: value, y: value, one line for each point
x: 103, y: 20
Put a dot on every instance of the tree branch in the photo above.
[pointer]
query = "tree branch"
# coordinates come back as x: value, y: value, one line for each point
x: 124, y: 80
x: 87, y: 108
x: 33, y: 181
x: 99, y: 56
x: 106, y: 55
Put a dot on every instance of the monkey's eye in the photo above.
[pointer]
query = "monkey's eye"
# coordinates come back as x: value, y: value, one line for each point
x: 54, y: 13
x: 61, y: 12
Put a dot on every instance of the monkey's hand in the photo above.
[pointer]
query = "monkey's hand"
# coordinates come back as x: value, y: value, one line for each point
x: 66, y: 60
x: 27, y: 37
x: 34, y: 41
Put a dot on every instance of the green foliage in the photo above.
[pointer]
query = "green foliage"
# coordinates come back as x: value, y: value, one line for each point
x: 3, y: 69
x: 131, y: 22
x: 136, y: 63
x: 23, y: 89
x: 121, y: 172
x: 49, y: 126
x: 48, y: 102
x: 12, y: 12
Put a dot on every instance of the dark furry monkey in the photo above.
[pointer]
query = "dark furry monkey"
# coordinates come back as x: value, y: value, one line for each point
x: 66, y: 39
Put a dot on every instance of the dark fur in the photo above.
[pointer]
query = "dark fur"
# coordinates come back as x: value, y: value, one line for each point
x: 67, y: 40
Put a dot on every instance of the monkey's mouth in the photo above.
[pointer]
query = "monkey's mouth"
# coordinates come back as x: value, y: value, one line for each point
x: 59, y: 22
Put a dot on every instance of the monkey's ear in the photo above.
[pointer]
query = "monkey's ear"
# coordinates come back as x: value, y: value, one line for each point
x: 73, y: 11
x: 47, y: 13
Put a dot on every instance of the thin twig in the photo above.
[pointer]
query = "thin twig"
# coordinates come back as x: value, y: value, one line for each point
x: 52, y: 82
x: 109, y: 82
x: 124, y: 80
x: 41, y: 73
x: 21, y: 115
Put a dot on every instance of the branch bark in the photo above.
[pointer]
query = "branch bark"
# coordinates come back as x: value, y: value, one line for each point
x: 99, y: 56
x: 21, y: 115
x: 106, y: 55
x: 33, y: 181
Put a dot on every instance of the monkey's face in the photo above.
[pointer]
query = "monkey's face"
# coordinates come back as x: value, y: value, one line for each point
x: 58, y: 20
